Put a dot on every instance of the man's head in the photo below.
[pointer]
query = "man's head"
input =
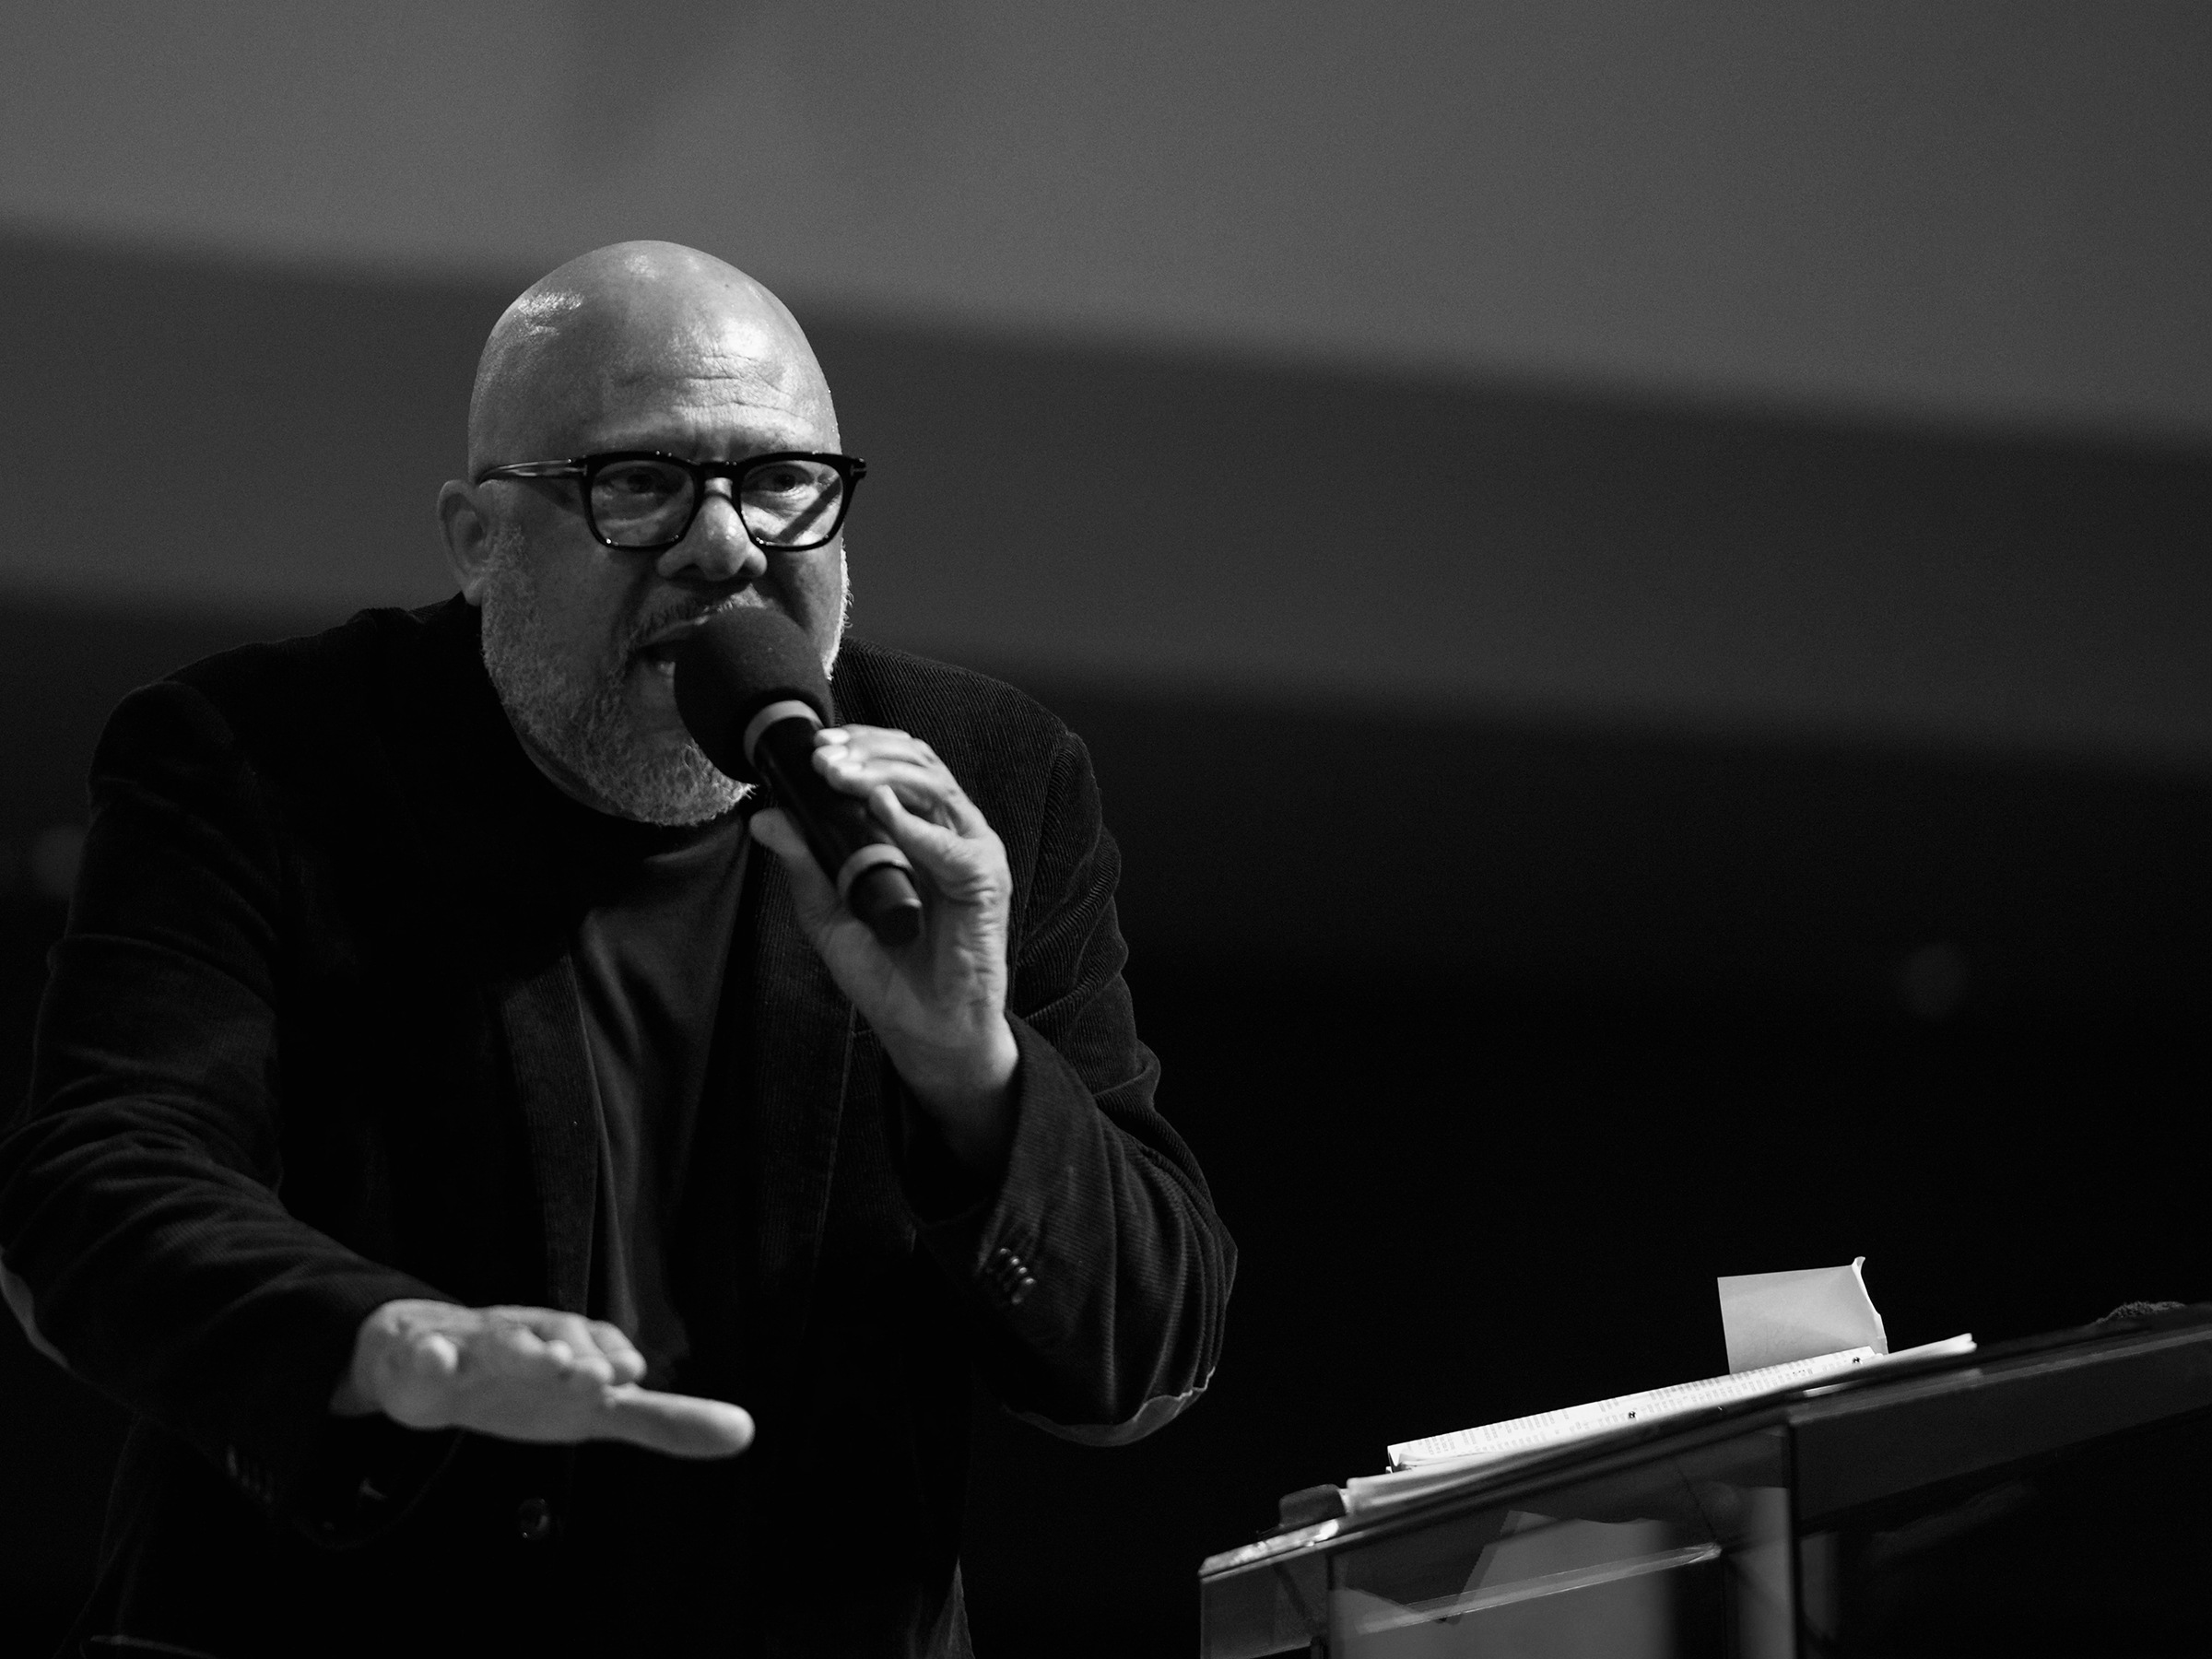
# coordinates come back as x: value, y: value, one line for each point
x: 642, y: 346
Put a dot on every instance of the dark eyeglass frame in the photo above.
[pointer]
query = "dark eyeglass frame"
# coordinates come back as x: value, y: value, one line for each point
x: 850, y: 471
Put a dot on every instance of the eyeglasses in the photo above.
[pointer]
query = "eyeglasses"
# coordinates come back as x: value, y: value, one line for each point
x: 643, y: 501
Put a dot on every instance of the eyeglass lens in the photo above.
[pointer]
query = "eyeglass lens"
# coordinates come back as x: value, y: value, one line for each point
x: 785, y: 503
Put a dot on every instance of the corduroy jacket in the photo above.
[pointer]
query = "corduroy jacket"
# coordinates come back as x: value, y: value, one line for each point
x: 312, y: 1042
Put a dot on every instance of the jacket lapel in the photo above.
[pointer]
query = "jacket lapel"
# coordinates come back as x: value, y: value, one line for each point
x: 797, y: 1069
x: 483, y: 822
x: 543, y: 1027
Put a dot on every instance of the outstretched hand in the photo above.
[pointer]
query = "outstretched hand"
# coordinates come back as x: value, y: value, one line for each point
x: 524, y: 1374
x: 938, y: 1004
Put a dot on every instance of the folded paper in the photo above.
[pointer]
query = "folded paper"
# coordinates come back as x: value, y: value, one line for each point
x: 1775, y: 1318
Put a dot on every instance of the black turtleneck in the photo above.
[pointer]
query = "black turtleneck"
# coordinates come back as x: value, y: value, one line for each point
x: 651, y: 952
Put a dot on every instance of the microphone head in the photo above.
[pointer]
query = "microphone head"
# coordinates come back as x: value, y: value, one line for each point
x: 735, y: 664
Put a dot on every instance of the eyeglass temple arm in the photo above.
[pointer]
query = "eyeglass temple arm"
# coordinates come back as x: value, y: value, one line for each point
x: 533, y: 469
x: 856, y: 468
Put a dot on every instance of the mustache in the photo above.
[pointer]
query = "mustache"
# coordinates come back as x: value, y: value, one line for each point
x: 665, y: 617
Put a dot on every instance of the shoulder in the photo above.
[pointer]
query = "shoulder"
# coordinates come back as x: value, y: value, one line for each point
x: 1030, y: 775
x: 944, y: 704
x: 369, y: 647
x: 283, y: 703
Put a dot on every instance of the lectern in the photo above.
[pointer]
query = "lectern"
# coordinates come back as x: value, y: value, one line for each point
x: 2046, y: 1497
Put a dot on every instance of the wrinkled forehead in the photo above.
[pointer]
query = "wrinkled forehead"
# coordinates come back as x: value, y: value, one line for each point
x: 566, y: 372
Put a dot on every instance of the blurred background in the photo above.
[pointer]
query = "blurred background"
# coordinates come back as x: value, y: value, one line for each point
x: 1636, y: 576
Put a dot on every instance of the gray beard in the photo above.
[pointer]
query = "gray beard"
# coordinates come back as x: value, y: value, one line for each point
x: 577, y: 717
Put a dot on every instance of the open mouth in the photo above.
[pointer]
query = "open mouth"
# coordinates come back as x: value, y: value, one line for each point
x: 660, y: 654
x: 660, y: 651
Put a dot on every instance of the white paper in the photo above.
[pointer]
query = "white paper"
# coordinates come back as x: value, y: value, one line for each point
x: 1547, y: 1428
x: 1425, y: 1465
x: 1784, y: 1331
x: 1774, y: 1318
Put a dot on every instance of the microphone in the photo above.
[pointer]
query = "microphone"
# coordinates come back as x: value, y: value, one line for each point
x: 752, y: 694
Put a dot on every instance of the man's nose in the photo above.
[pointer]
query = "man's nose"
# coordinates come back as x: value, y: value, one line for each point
x: 716, y: 548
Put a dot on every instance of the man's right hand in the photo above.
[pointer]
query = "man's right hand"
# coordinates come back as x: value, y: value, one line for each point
x: 526, y: 1374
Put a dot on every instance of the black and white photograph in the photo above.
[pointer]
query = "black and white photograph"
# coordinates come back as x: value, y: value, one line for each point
x: 900, y: 832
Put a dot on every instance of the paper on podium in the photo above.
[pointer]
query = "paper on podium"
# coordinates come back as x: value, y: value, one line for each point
x: 1785, y: 1331
x: 1575, y: 1422
x: 1775, y: 1318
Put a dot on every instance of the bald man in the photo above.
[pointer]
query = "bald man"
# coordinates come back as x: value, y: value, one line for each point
x: 522, y: 1205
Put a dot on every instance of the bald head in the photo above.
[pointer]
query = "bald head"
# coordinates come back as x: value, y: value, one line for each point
x: 613, y: 329
x: 642, y: 346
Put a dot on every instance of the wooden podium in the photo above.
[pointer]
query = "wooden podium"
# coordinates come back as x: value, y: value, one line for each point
x: 2052, y: 1496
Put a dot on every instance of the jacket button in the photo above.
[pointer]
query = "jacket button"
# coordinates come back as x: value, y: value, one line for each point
x: 534, y: 1520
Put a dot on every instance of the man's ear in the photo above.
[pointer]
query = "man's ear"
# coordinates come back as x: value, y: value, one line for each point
x: 467, y: 538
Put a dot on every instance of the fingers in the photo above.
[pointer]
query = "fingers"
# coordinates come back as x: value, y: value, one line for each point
x: 570, y: 1347
x: 956, y: 855
x: 921, y: 805
x: 964, y: 868
x: 859, y: 760
x: 433, y: 1356
x: 532, y: 1374
x: 622, y: 1353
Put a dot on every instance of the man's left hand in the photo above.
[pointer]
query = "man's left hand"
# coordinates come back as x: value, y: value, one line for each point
x: 938, y: 1005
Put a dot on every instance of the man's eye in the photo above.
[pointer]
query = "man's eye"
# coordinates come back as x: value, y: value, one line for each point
x: 779, y: 480
x: 640, y: 483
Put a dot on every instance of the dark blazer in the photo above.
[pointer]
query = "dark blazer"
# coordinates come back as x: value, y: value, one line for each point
x: 312, y: 1042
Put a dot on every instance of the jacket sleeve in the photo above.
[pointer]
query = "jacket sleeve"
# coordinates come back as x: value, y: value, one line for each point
x: 1095, y: 1267
x: 143, y: 1240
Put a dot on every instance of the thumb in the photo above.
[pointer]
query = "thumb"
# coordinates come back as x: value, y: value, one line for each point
x: 679, y: 1425
x: 815, y: 899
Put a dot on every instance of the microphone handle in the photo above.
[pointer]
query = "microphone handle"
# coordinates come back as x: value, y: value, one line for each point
x: 872, y: 875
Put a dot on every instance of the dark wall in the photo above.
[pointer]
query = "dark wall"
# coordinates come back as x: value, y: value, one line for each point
x: 1991, y: 205
x: 266, y: 439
